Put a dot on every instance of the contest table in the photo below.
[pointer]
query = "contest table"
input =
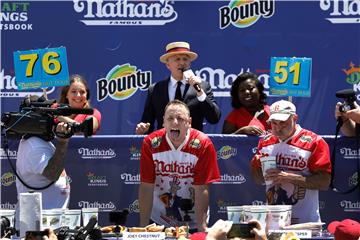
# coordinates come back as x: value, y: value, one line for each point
x: 104, y: 173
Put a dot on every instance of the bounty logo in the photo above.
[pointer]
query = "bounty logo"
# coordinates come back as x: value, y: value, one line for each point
x: 124, y: 13
x: 7, y: 179
x: 343, y: 12
x: 244, y: 13
x: 122, y: 82
x: 226, y: 152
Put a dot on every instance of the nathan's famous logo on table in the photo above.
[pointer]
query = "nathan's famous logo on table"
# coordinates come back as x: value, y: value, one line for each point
x: 342, y: 12
x: 96, y: 153
x: 349, y: 153
x: 134, y: 153
x: 96, y: 181
x: 350, y: 206
x: 14, y: 16
x: 8, y: 87
x: 231, y: 179
x: 103, y: 207
x: 7, y: 179
x: 8, y: 153
x: 123, y: 12
x: 226, y: 152
x: 129, y: 178
x: 122, y: 82
x: 244, y: 13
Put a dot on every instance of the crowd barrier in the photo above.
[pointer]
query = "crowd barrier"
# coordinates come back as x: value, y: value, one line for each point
x: 104, y: 173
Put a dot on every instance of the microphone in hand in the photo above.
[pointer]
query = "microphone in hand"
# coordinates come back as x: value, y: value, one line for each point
x: 187, y: 72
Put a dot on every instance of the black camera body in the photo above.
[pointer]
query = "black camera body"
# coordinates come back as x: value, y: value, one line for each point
x: 349, y: 98
x: 89, y: 232
x: 242, y: 230
x: 36, y: 117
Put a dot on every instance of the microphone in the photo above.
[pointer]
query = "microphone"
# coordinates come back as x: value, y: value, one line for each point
x: 187, y: 72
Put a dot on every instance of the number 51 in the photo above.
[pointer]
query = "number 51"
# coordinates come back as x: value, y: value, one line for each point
x: 281, y: 67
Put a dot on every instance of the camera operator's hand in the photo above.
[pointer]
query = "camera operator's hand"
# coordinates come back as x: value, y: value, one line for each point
x: 354, y: 114
x: 63, y: 131
x: 259, y: 230
x: 50, y: 235
x: 219, y: 230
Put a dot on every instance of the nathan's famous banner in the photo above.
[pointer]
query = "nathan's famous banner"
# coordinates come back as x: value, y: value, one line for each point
x: 116, y: 46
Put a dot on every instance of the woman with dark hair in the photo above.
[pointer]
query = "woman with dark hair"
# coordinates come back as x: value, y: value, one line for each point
x: 250, y: 109
x: 77, y: 95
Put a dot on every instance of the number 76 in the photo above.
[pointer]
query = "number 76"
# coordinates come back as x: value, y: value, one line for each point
x: 49, y: 61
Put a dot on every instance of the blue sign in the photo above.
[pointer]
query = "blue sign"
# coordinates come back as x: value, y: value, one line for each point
x: 41, y: 68
x: 290, y: 76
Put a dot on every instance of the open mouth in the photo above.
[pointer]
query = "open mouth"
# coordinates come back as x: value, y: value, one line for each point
x: 174, y: 133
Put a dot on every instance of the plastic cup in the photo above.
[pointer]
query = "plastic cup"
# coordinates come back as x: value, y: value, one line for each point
x: 235, y: 213
x: 71, y: 218
x: 267, y: 163
x: 51, y: 218
x: 87, y: 213
x: 9, y: 214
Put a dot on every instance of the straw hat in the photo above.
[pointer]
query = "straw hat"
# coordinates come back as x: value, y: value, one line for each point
x: 178, y: 48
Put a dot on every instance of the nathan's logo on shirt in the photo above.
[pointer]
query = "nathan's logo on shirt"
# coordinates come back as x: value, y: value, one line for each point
x: 122, y: 13
x: 353, y: 75
x: 304, y: 138
x: 101, y: 206
x: 96, y: 153
x: 231, y: 179
x: 96, y: 181
x: 226, y: 152
x: 349, y: 206
x: 128, y: 178
x: 291, y: 162
x: 195, y: 143
x: 342, y: 11
x: 244, y: 13
x: 134, y: 153
x: 267, y: 137
x: 155, y: 142
x: 134, y: 206
x: 11, y: 154
x: 186, y: 169
x: 14, y: 16
x: 7, y: 179
x: 122, y: 82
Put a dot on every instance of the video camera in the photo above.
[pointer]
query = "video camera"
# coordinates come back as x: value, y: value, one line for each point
x: 89, y: 232
x: 349, y: 96
x: 36, y: 117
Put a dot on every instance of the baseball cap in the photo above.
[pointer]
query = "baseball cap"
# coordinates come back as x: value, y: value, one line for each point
x: 281, y: 110
x: 347, y: 229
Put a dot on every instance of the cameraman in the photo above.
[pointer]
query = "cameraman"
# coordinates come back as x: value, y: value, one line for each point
x: 40, y: 162
x: 349, y: 118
